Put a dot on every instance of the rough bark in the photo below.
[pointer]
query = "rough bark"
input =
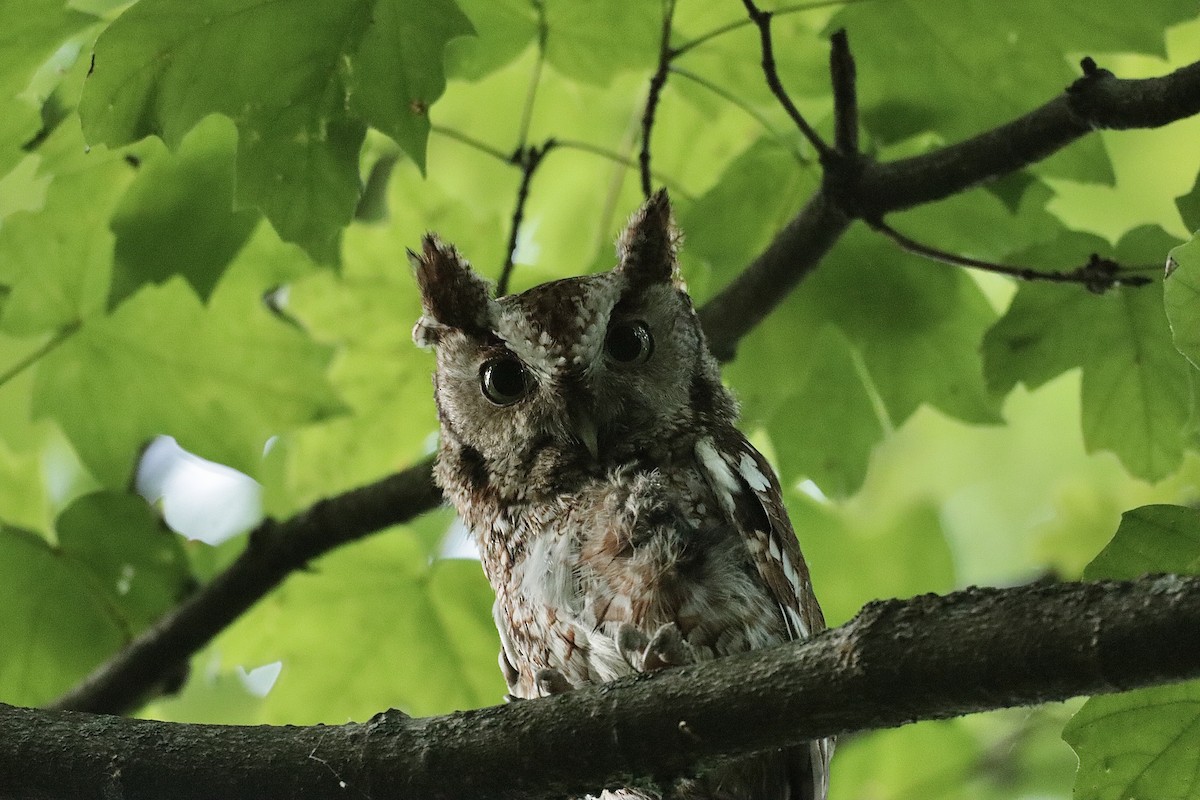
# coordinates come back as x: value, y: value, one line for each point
x: 898, y: 661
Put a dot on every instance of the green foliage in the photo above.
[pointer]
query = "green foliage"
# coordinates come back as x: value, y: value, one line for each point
x: 1137, y: 390
x: 1144, y: 743
x: 180, y: 254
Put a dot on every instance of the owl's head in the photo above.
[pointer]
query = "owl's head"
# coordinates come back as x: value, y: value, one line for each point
x: 539, y: 390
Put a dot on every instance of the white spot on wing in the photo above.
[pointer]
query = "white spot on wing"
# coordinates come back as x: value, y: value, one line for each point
x: 724, y: 485
x: 753, y: 475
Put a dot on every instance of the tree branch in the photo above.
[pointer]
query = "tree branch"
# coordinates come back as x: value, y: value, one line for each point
x: 528, y: 159
x: 274, y: 551
x: 875, y: 189
x: 657, y: 82
x: 930, y: 657
x: 1096, y: 101
x: 1097, y: 274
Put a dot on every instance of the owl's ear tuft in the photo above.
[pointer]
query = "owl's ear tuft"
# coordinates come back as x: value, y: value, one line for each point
x: 646, y: 250
x: 453, y: 295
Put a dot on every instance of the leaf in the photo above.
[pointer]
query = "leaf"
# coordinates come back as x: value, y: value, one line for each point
x: 285, y: 71
x: 916, y: 323
x: 138, y: 563
x: 833, y: 454
x: 57, y: 625
x: 162, y: 365
x: 723, y: 231
x: 396, y: 73
x: 1158, y: 538
x: 503, y: 29
x: 424, y: 629
x: 1181, y: 295
x: 596, y: 40
x: 177, y: 217
x: 1142, y: 744
x: 58, y: 259
x: 1136, y: 390
x: 1189, y: 206
x: 30, y: 32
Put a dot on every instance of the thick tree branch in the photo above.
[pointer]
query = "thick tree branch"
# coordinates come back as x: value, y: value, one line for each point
x: 930, y: 657
x: 873, y: 190
x: 1097, y: 101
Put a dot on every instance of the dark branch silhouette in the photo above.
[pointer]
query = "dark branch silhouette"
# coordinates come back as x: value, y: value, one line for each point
x: 1097, y: 274
x: 528, y: 159
x: 657, y: 82
x: 930, y: 657
x: 763, y: 20
x: 1095, y: 102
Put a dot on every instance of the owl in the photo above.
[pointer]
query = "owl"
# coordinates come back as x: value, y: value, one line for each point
x: 624, y: 522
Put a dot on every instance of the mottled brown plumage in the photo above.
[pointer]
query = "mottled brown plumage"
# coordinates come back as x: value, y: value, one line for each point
x: 589, y: 445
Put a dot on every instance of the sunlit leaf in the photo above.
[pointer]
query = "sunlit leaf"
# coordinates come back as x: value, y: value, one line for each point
x: 160, y: 365
x: 284, y: 71
x: 923, y: 69
x: 56, y: 623
x: 1181, y: 293
x: 138, y: 563
x: 396, y: 72
x: 374, y: 627
x: 1136, y: 387
x: 594, y: 41
x: 30, y: 31
x: 58, y: 260
x: 177, y: 217
x: 1143, y: 744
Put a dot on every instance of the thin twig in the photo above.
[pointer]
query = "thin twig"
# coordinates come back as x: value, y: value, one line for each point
x: 528, y: 159
x: 738, y: 24
x: 469, y: 141
x: 1097, y: 275
x: 763, y: 20
x: 37, y: 355
x: 535, y: 77
x: 845, y: 94
x: 657, y: 81
x: 676, y: 188
x: 720, y: 91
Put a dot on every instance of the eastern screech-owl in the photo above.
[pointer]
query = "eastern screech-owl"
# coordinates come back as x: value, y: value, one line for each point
x: 624, y: 522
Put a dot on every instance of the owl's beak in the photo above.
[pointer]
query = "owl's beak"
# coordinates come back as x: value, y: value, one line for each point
x: 584, y: 428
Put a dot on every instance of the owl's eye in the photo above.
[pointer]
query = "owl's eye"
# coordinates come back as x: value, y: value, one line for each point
x: 629, y: 342
x: 504, y: 380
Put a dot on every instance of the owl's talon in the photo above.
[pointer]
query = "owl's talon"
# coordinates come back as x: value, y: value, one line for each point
x: 551, y: 682
x: 666, y: 648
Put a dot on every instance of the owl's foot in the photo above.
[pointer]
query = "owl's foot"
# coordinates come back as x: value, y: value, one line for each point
x: 551, y: 681
x: 548, y: 682
x: 666, y: 648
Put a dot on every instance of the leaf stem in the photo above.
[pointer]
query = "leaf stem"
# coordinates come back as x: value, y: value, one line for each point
x: 535, y: 77
x: 617, y: 158
x: 750, y: 110
x: 470, y: 141
x: 41, y: 352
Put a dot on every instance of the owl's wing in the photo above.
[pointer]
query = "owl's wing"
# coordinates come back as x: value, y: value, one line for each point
x: 748, y: 489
